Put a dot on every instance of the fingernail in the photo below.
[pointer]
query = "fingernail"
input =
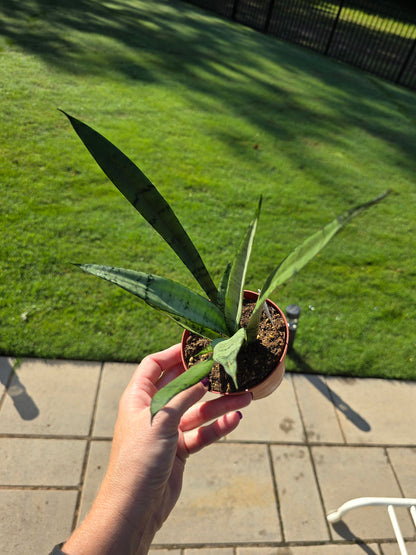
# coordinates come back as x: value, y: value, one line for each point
x: 240, y: 414
x: 205, y: 381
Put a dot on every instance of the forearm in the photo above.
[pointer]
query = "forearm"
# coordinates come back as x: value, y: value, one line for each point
x: 107, y: 530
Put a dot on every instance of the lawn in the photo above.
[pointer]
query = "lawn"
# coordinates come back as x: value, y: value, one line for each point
x: 215, y: 114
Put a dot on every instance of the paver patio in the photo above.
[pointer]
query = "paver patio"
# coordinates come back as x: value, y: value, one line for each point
x: 264, y: 490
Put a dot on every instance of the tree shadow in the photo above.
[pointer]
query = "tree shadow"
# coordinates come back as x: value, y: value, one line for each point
x: 360, y: 40
x: 184, y: 43
x: 310, y: 374
x: 22, y: 401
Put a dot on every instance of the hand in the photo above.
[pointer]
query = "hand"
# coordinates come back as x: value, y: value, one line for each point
x: 144, y: 477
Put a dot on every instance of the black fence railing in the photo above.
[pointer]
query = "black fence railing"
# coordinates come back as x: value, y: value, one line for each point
x: 374, y: 35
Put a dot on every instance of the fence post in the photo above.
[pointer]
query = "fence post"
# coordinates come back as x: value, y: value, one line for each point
x: 235, y: 6
x: 406, y: 61
x: 334, y: 26
x: 269, y: 16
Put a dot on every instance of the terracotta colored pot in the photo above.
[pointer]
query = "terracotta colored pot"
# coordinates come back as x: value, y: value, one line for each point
x: 274, y: 379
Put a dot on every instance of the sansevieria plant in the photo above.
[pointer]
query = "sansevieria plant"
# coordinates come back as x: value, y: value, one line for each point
x: 216, y: 316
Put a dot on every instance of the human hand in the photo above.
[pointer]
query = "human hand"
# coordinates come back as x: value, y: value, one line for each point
x: 144, y: 477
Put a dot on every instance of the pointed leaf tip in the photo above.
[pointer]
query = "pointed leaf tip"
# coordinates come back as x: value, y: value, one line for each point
x: 146, y: 199
x: 226, y: 351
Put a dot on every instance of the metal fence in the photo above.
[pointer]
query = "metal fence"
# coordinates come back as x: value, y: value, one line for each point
x: 373, y: 35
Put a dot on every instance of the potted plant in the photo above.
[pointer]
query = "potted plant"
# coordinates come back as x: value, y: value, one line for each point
x: 231, y: 322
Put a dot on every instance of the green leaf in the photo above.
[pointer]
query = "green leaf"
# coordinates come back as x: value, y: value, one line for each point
x: 223, y: 287
x: 189, y: 378
x: 186, y: 307
x: 194, y: 327
x: 235, y: 282
x: 254, y: 322
x: 303, y: 254
x: 147, y: 200
x: 226, y: 351
x: 206, y: 351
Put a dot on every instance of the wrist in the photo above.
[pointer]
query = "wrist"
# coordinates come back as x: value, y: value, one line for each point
x: 109, y: 530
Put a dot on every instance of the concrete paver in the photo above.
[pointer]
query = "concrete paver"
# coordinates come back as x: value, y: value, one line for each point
x: 371, y: 549
x: 319, y: 415
x: 228, y: 496
x: 14, y: 391
x: 392, y: 548
x: 210, y: 551
x: 96, y: 466
x: 387, y: 406
x: 275, y: 418
x: 404, y: 463
x: 264, y: 490
x: 346, y: 473
x: 61, y: 395
x: 46, y: 462
x: 300, y: 506
x: 114, y: 380
x: 6, y: 368
x: 34, y: 521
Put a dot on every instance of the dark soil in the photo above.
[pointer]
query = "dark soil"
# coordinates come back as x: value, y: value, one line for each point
x: 255, y: 360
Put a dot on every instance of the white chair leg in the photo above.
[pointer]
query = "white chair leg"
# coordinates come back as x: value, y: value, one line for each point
x: 397, y: 531
x: 389, y: 502
x: 413, y: 513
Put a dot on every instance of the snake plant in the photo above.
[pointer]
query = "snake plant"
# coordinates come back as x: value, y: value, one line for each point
x: 216, y: 316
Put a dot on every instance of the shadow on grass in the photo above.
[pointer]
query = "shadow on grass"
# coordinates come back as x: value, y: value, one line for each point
x: 151, y: 41
x: 329, y: 394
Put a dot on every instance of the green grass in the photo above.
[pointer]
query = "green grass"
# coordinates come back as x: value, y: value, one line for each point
x: 214, y: 114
